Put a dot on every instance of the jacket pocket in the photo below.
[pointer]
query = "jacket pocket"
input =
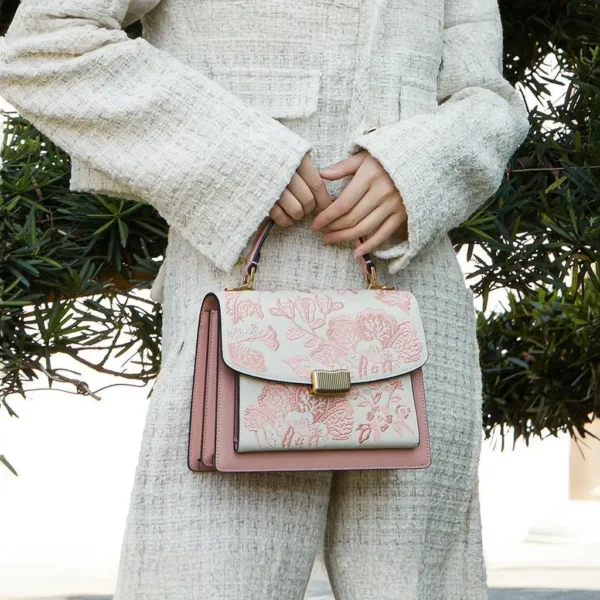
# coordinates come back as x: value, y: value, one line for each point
x: 281, y: 93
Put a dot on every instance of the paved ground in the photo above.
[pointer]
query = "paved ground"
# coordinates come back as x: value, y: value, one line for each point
x: 318, y: 592
x: 319, y: 589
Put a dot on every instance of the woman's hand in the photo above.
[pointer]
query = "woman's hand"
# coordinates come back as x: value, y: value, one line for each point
x: 369, y: 204
x: 305, y: 191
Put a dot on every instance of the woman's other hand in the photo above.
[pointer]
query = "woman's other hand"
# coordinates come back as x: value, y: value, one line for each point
x: 305, y: 191
x: 369, y: 205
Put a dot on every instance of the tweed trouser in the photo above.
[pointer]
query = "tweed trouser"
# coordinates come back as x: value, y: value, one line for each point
x: 255, y: 537
x: 410, y: 535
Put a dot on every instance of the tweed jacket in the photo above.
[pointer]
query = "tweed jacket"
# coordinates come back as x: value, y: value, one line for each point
x: 206, y: 118
x: 196, y: 130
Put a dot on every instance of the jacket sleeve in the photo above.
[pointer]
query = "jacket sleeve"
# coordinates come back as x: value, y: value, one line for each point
x: 134, y: 115
x: 448, y: 163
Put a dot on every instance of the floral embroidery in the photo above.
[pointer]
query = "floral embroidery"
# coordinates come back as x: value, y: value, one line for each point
x: 239, y: 306
x: 288, y: 416
x: 395, y: 298
x: 306, y: 314
x: 386, y: 410
x: 372, y: 343
x: 376, y: 336
x: 290, y: 334
x: 251, y: 358
x: 247, y: 358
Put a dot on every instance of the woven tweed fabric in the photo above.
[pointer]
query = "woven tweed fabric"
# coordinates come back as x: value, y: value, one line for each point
x: 206, y: 118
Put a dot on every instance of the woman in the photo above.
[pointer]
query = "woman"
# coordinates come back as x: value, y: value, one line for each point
x: 223, y: 114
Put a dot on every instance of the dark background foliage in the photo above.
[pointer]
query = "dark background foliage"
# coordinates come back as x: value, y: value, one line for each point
x: 71, y: 264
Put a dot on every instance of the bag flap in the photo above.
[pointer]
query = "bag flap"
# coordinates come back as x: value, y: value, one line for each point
x: 285, y: 335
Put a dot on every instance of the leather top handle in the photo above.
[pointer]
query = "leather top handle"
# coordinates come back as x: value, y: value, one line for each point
x: 251, y: 266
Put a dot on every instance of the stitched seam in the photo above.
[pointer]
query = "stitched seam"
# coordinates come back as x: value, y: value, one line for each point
x: 210, y: 355
x: 219, y: 390
x: 476, y: 22
x: 425, y: 422
x: 195, y: 399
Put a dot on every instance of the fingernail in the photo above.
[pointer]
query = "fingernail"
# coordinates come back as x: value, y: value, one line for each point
x: 358, y: 253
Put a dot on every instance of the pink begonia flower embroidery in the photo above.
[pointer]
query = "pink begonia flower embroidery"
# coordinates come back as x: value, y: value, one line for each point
x: 247, y: 358
x: 288, y: 416
x: 372, y: 343
x: 250, y: 358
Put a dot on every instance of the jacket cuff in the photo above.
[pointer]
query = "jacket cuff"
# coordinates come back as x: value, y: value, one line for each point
x: 266, y: 167
x: 246, y: 190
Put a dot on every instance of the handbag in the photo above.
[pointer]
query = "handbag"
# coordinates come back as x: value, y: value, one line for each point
x: 304, y: 380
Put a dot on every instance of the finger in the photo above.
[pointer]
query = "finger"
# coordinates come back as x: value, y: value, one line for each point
x: 369, y: 224
x: 290, y: 205
x: 300, y: 190
x: 310, y: 175
x: 280, y: 217
x: 345, y: 167
x: 386, y: 230
x: 368, y: 203
x: 349, y: 197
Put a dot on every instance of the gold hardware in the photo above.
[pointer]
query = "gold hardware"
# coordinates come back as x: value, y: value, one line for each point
x: 330, y: 383
x: 373, y: 283
x: 248, y: 282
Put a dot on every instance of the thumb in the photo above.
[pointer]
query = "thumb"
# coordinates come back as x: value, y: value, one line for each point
x: 343, y: 168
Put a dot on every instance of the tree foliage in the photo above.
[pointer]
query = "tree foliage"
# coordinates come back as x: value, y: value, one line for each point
x: 72, y: 264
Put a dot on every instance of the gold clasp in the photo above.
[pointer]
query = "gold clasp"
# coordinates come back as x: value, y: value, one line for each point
x: 373, y: 283
x: 248, y: 282
x: 330, y: 383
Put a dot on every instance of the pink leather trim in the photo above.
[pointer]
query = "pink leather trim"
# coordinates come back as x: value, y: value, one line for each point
x: 210, y: 403
x: 199, y: 391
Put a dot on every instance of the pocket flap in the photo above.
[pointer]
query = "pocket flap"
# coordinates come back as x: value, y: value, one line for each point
x: 285, y: 93
x: 286, y: 335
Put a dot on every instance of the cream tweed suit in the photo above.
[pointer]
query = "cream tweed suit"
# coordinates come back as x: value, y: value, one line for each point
x: 207, y: 118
